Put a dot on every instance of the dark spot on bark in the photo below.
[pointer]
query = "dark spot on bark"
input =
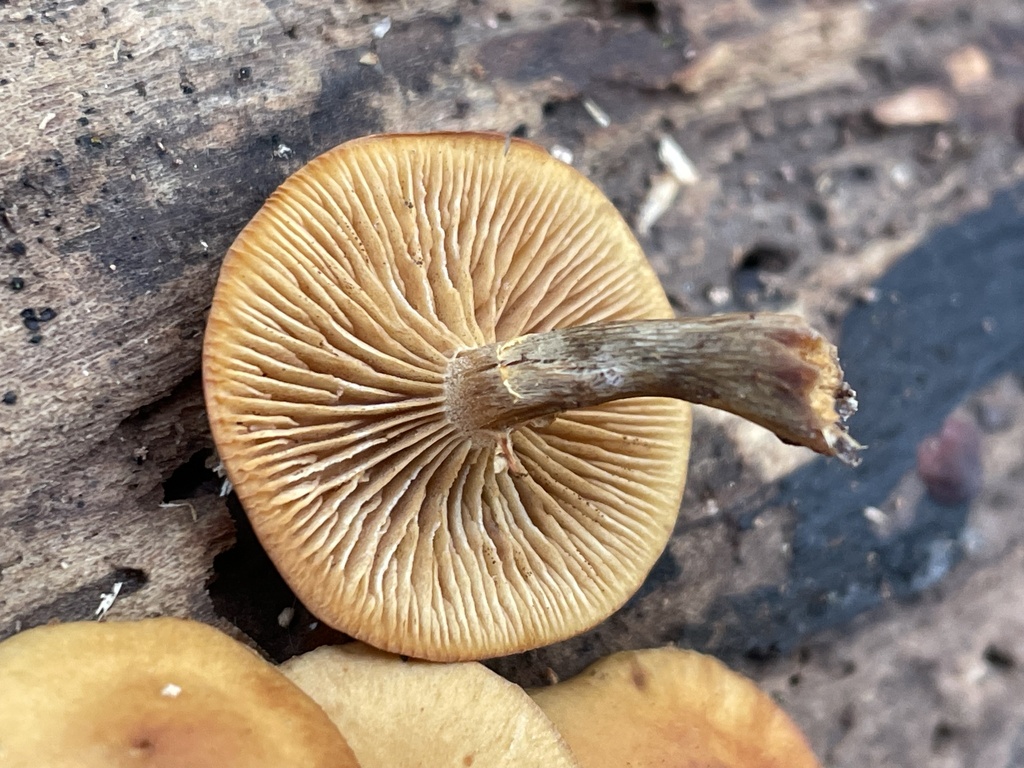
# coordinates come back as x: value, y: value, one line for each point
x: 17, y: 248
x: 186, y: 85
x: 750, y: 282
x: 847, y: 718
x: 762, y: 654
x: 249, y: 592
x: 16, y: 283
x: 35, y: 338
x: 140, y: 88
x: 46, y: 314
x: 31, y: 323
x: 1018, y: 123
x: 942, y: 735
x: 638, y: 676
x: 769, y: 258
x: 243, y: 74
x: 10, y: 397
x: 90, y: 142
x: 644, y: 11
x: 190, y: 478
x: 999, y: 658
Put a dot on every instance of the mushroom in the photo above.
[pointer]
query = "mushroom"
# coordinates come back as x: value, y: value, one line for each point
x: 671, y: 707
x: 442, y: 378
x: 157, y: 692
x: 403, y: 713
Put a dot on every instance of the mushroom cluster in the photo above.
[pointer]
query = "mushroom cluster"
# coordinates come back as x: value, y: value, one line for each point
x: 453, y: 398
x: 169, y: 692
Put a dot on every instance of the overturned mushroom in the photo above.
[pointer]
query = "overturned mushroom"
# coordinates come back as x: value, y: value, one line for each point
x: 158, y: 692
x: 671, y: 707
x: 415, y: 368
x: 397, y: 713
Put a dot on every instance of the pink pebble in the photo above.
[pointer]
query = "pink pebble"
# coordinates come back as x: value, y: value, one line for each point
x: 949, y: 462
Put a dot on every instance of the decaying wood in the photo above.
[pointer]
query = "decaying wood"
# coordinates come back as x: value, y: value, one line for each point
x: 139, y: 137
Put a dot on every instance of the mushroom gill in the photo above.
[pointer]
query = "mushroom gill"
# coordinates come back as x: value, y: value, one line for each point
x: 337, y: 313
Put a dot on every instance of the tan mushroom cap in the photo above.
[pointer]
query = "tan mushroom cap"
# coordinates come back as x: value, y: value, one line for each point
x: 159, y: 693
x: 416, y: 714
x: 337, y: 311
x: 671, y: 707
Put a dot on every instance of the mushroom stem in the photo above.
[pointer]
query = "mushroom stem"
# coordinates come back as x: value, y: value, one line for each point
x: 772, y: 369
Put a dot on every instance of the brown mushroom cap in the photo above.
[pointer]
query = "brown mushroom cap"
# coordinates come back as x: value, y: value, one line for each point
x: 413, y: 714
x: 158, y: 692
x: 336, y: 314
x: 671, y: 707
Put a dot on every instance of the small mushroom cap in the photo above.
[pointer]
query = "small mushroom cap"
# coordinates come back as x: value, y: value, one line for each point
x: 671, y: 707
x: 415, y: 714
x: 336, y: 314
x: 159, y: 693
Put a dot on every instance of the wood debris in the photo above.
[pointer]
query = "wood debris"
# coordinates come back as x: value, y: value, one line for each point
x: 920, y: 105
x: 596, y: 112
x: 664, y: 187
x: 968, y: 68
x: 676, y: 161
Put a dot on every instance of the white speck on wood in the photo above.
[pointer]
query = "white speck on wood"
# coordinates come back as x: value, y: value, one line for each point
x: 876, y: 517
x: 46, y: 120
x: 594, y: 110
x: 382, y: 27
x: 920, y: 105
x: 562, y: 153
x: 284, y: 618
x: 107, y: 600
